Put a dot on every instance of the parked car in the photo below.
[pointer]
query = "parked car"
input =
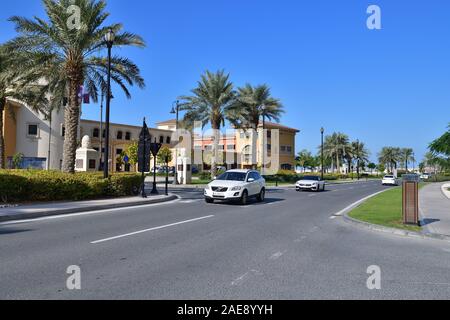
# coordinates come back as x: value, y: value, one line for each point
x: 236, y: 185
x: 312, y: 183
x: 390, y: 180
x: 425, y: 176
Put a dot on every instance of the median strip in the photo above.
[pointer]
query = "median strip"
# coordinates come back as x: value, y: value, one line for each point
x: 151, y: 229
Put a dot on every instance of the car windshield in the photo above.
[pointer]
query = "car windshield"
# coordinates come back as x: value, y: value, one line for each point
x: 311, y: 178
x: 232, y: 176
x: 389, y: 177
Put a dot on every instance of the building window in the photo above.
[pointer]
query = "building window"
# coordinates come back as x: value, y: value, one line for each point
x: 283, y: 148
x: 289, y: 149
x: 119, y: 135
x: 96, y: 133
x: 208, y: 147
x: 119, y: 152
x: 231, y: 147
x: 33, y: 130
x: 104, y: 133
x: 286, y: 166
x: 168, y: 140
x: 221, y: 147
x: 63, y: 131
x: 161, y: 139
x: 128, y: 136
x: 269, y: 134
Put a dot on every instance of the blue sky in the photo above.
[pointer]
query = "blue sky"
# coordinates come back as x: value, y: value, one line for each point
x: 384, y: 87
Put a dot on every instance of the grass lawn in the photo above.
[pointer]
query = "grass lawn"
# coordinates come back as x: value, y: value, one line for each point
x: 384, y: 209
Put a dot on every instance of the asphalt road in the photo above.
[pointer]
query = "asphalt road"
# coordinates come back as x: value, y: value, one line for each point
x: 290, y: 247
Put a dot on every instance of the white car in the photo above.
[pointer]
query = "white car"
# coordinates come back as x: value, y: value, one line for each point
x: 236, y: 185
x: 425, y: 176
x: 312, y: 183
x: 390, y: 181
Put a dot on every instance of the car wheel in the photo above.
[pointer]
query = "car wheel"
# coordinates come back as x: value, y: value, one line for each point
x: 207, y: 200
x: 261, y: 196
x: 244, y: 198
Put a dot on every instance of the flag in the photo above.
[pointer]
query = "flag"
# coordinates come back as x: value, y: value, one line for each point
x: 86, y: 98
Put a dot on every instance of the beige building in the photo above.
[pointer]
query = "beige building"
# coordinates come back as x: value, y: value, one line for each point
x: 121, y: 137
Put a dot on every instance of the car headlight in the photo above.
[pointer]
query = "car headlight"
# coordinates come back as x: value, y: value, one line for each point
x: 236, y: 188
x: 207, y: 187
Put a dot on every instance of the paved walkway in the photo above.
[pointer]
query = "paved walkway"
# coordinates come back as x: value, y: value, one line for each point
x: 58, y: 208
x: 435, y: 209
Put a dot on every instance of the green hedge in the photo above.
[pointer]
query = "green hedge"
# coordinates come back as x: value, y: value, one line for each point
x: 291, y: 177
x: 32, y: 185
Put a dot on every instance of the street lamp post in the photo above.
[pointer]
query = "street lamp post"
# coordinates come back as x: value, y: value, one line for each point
x: 109, y: 40
x: 176, y: 111
x: 358, y: 159
x: 101, y: 134
x: 322, y: 130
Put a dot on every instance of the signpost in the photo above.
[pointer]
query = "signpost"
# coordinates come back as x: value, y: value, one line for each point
x: 411, y: 199
x: 154, y: 148
x: 144, y: 149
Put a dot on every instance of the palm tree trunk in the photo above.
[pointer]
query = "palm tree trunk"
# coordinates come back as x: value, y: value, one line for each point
x: 215, y: 148
x: 337, y: 164
x: 71, y: 119
x: 2, y: 140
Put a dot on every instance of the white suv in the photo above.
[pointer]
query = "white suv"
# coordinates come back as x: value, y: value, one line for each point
x: 237, y: 185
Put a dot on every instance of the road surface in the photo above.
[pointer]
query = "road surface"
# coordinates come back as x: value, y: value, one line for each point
x: 290, y: 247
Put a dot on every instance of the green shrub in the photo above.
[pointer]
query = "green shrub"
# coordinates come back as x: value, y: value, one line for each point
x: 33, y: 185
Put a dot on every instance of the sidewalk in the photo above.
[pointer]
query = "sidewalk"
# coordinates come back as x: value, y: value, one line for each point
x: 435, y: 209
x: 59, y: 208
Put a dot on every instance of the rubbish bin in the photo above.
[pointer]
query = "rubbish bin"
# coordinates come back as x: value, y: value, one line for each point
x: 411, y: 199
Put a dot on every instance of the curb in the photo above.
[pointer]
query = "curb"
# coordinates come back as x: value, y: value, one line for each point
x: 445, y: 191
x: 27, y: 216
x: 383, y: 229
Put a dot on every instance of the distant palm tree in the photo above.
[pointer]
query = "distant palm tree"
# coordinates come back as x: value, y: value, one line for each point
x: 407, y: 155
x: 209, y: 104
x: 361, y: 154
x: 334, y: 148
x: 390, y: 157
x: 253, y: 104
x: 69, y: 58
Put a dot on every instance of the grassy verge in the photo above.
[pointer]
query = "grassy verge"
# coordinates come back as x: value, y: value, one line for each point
x: 384, y: 209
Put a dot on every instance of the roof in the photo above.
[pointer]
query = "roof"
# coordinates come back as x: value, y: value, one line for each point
x: 272, y: 125
x: 124, y: 125
x: 168, y: 122
x: 240, y: 170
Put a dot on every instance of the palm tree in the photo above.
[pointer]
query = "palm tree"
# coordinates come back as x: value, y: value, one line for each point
x: 69, y: 58
x: 407, y: 155
x: 12, y: 88
x: 334, y: 147
x: 209, y: 104
x: 252, y: 104
x: 390, y: 156
x: 361, y: 154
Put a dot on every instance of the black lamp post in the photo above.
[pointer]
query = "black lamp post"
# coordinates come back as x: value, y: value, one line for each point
x: 322, y: 130
x: 176, y: 111
x: 109, y: 40
x: 358, y: 164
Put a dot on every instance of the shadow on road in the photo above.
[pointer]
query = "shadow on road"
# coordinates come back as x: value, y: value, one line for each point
x: 426, y: 222
x: 7, y: 231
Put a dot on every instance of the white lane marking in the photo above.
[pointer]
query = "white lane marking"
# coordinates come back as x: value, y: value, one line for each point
x: 340, y: 213
x: 277, y: 255
x: 69, y: 215
x: 333, y: 217
x: 151, y: 229
x: 245, y: 276
x: 312, y: 195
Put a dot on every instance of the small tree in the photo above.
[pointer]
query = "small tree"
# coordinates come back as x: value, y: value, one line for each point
x: 165, y: 154
x: 17, y: 160
x: 372, y: 166
x: 132, y: 153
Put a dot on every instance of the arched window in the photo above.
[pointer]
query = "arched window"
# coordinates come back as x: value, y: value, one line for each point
x: 161, y: 139
x: 96, y: 133
x: 168, y: 140
x: 128, y: 136
x: 119, y: 135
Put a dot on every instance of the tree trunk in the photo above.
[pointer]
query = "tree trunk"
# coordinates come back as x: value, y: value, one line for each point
x: 2, y: 140
x: 215, y: 148
x: 71, y: 119
x: 338, y: 164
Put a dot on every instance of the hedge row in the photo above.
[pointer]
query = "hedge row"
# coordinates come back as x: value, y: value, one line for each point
x: 292, y: 177
x: 31, y: 185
